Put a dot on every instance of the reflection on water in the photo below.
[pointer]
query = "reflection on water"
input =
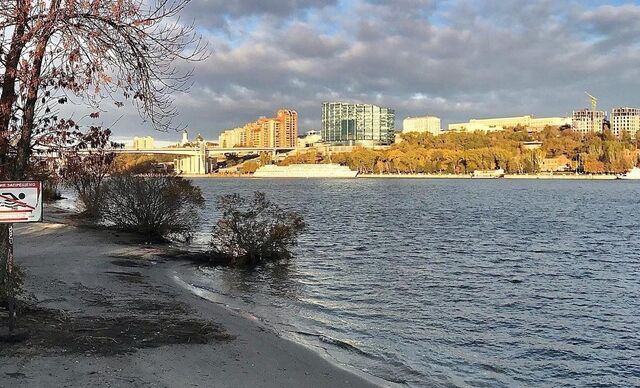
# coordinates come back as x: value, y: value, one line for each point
x: 455, y: 283
x: 277, y: 279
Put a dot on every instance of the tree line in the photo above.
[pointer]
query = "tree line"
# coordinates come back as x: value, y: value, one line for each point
x: 465, y: 152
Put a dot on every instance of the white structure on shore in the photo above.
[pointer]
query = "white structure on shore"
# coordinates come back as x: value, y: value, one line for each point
x: 500, y: 123
x: 309, y: 139
x: 305, y: 171
x: 422, y: 124
x: 625, y: 120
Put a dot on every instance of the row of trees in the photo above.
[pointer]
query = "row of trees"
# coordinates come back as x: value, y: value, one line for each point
x: 462, y: 152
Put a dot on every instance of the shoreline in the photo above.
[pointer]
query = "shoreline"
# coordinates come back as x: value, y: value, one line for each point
x: 91, y: 279
x: 429, y: 176
x: 507, y: 176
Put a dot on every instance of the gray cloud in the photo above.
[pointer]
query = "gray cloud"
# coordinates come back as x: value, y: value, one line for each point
x: 215, y: 14
x: 455, y: 59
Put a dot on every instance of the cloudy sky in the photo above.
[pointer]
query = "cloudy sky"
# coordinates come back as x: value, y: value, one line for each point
x: 455, y: 59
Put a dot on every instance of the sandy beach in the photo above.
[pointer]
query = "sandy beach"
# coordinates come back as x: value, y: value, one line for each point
x: 107, y: 312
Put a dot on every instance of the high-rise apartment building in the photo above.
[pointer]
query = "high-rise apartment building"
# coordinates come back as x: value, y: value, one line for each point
x: 421, y: 124
x: 286, y: 133
x: 625, y: 120
x: 276, y: 132
x: 586, y: 120
x: 232, y: 138
x: 357, y: 124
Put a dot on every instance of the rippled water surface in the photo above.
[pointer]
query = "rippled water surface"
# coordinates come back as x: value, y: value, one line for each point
x: 455, y: 282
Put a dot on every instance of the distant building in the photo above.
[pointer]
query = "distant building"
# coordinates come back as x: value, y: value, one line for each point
x: 529, y: 122
x: 276, y: 132
x: 558, y: 164
x: 531, y: 145
x: 625, y: 120
x: 143, y: 143
x: 586, y: 120
x: 232, y: 138
x: 309, y: 139
x: 357, y: 124
x: 430, y: 124
x: 185, y: 138
x: 286, y: 134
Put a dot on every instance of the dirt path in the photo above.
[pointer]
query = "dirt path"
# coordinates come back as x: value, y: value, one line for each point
x: 104, y: 312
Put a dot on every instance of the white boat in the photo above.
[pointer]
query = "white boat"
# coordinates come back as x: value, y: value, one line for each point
x: 488, y: 174
x: 305, y: 171
x: 634, y: 173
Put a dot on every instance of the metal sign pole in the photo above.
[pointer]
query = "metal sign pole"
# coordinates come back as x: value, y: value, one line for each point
x: 11, y: 297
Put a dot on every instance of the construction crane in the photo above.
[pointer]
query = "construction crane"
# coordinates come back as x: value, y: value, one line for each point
x: 594, y: 101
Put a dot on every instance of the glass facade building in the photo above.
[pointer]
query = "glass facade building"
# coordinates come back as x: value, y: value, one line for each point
x: 357, y: 124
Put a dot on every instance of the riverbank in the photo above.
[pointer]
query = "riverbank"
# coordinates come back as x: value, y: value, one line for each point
x: 107, y: 312
x: 507, y: 176
x: 436, y: 176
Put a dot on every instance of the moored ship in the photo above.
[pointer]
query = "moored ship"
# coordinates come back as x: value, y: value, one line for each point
x: 305, y: 171
x: 488, y: 174
x: 634, y: 173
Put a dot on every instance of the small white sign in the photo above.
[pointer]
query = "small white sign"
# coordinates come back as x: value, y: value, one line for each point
x: 20, y: 201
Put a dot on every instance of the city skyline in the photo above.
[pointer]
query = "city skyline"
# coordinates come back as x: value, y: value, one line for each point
x: 399, y: 128
x: 456, y: 60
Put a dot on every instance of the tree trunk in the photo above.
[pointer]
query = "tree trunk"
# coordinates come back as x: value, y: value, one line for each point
x: 8, y: 96
x: 24, y: 143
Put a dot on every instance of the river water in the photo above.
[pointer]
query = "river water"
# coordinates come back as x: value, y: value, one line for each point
x: 453, y: 282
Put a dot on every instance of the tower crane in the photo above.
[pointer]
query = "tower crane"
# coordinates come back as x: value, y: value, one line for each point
x: 594, y: 101
x: 594, y: 106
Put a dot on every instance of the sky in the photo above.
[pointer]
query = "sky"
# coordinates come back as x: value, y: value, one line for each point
x: 456, y: 59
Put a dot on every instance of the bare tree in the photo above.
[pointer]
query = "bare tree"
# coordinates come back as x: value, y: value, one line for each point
x: 159, y: 207
x: 253, y: 231
x: 92, y: 52
x: 86, y: 169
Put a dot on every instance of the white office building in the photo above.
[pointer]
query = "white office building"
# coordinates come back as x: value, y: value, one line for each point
x: 422, y: 124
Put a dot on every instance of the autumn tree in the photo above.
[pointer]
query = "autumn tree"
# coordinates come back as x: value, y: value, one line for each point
x: 90, y: 52
x: 249, y: 167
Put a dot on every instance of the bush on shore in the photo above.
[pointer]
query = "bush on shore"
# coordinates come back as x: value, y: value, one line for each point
x: 86, y: 175
x: 159, y: 207
x: 51, y: 182
x: 253, y: 231
x: 50, y: 191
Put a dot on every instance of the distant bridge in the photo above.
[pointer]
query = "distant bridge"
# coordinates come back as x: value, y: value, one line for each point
x: 210, y: 151
x: 195, y: 160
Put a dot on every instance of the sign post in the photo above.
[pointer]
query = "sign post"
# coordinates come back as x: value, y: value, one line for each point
x: 20, y: 201
x: 10, y: 291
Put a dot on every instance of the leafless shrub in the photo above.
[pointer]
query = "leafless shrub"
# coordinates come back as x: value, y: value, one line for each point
x: 159, y: 207
x: 253, y: 231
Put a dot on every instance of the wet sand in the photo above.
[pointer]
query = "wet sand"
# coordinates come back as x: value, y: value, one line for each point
x: 103, y: 311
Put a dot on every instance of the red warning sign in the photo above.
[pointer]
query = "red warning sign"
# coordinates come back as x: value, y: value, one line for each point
x: 20, y: 201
